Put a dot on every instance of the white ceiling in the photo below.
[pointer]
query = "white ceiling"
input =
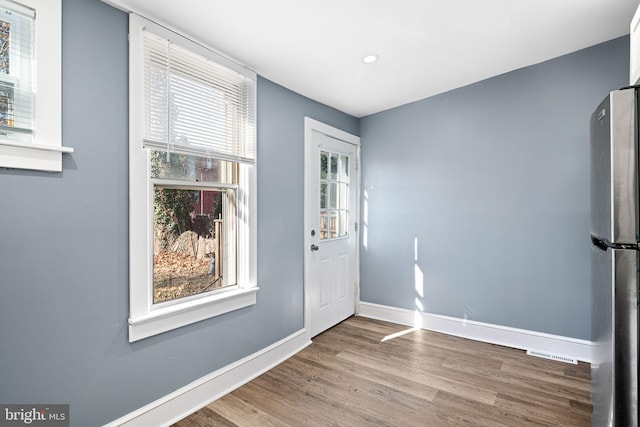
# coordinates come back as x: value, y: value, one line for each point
x: 425, y: 47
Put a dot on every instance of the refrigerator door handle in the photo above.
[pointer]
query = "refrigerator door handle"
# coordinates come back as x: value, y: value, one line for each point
x: 604, y: 244
x: 600, y: 243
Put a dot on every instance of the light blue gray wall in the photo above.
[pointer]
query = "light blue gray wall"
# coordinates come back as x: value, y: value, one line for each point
x: 492, y: 181
x: 64, y: 246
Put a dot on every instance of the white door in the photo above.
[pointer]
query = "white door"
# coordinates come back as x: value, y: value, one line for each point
x: 331, y: 237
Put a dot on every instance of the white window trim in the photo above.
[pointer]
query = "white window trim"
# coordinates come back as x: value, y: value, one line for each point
x: 45, y: 153
x: 145, y: 319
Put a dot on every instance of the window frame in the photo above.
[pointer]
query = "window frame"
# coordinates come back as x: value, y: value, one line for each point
x: 45, y: 152
x: 146, y: 318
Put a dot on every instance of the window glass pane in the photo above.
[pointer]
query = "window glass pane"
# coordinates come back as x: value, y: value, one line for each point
x: 333, y: 195
x: 188, y: 242
x: 6, y: 88
x: 323, y: 225
x: 184, y: 167
x: 323, y: 195
x: 16, y: 72
x: 334, y: 166
x: 344, y: 169
x: 5, y: 38
x: 323, y: 165
x: 342, y: 196
x: 343, y: 217
x: 333, y: 225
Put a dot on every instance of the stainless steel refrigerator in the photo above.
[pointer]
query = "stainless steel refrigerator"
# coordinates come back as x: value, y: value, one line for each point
x: 614, y: 259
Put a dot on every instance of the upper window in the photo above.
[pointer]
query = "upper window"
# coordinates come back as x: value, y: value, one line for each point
x: 16, y: 80
x: 30, y: 85
x: 192, y: 182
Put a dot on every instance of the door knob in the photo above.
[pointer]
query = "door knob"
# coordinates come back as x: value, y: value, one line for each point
x: 314, y: 247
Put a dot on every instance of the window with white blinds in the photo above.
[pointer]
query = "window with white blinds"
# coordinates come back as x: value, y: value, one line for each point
x: 31, y: 85
x: 195, y: 105
x: 192, y: 178
x: 16, y: 71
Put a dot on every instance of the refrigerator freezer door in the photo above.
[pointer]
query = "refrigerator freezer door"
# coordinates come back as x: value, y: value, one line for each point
x: 614, y: 367
x: 614, y: 169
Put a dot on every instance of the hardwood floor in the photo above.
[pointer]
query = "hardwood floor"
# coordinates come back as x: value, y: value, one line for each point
x: 359, y: 373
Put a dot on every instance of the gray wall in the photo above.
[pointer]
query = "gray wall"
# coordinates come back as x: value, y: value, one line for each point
x: 492, y: 180
x: 64, y: 246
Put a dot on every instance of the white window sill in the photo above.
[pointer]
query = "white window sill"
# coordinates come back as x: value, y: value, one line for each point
x: 32, y: 156
x: 178, y: 315
x: 37, y: 147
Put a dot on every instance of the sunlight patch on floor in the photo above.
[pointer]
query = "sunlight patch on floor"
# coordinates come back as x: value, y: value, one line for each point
x: 399, y: 334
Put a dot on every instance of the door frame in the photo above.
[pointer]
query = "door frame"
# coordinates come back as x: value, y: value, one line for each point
x: 310, y: 126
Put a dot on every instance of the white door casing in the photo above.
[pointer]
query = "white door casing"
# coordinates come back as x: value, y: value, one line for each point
x: 331, y: 270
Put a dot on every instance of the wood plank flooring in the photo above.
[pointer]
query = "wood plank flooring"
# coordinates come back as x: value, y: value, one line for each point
x: 360, y: 374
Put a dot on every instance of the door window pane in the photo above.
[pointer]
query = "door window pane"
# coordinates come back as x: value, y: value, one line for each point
x: 323, y: 195
x: 343, y: 217
x: 334, y: 195
x: 324, y: 165
x: 344, y: 169
x: 333, y: 225
x: 343, y: 195
x: 334, y: 166
x: 323, y: 226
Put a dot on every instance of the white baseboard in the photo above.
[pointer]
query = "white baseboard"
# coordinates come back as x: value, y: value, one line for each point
x: 495, y: 334
x: 188, y: 399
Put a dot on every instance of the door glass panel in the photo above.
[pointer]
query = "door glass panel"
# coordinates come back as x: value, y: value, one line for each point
x: 343, y: 191
x: 334, y: 195
x: 323, y: 195
x: 343, y: 217
x: 344, y: 169
x: 324, y: 164
x: 323, y: 226
x: 333, y: 225
x: 334, y: 167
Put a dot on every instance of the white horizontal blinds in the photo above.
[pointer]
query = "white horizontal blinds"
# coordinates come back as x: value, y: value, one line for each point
x: 156, y: 89
x: 17, y: 70
x: 193, y: 105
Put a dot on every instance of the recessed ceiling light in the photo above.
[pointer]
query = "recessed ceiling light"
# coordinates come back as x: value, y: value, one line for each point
x: 369, y: 59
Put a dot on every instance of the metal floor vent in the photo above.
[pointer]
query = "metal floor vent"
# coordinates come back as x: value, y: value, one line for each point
x: 551, y: 356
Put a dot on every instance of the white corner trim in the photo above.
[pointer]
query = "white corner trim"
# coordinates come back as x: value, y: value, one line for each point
x: 479, y: 331
x: 188, y: 399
